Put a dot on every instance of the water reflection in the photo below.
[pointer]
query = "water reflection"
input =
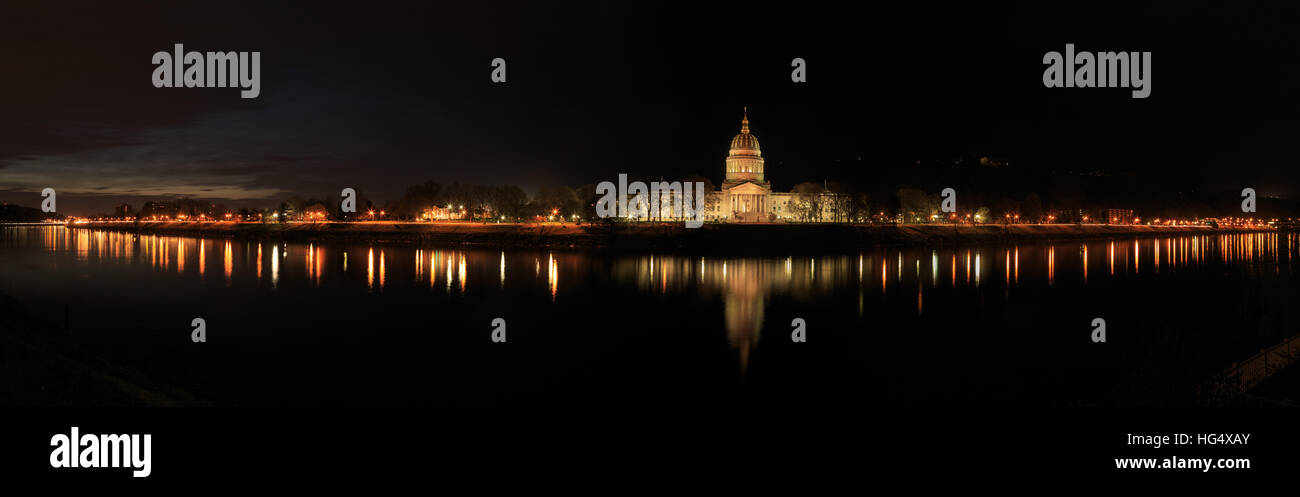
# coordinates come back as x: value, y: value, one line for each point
x: 229, y: 262
x: 275, y: 267
x: 1084, y: 250
x: 370, y: 268
x: 745, y: 286
x: 1051, y: 265
x: 552, y: 274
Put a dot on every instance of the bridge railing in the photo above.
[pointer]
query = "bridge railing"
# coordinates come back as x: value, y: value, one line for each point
x: 1245, y: 375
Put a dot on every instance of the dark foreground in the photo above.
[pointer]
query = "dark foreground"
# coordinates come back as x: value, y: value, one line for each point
x: 43, y: 366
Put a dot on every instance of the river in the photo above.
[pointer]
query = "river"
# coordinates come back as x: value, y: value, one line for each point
x: 348, y: 324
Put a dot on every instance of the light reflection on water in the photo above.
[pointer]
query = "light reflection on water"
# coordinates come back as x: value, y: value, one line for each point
x: 744, y: 285
x: 965, y: 265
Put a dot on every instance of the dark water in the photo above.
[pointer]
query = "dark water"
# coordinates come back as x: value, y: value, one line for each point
x: 381, y: 325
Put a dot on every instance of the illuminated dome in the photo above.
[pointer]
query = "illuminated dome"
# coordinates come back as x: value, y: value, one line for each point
x: 745, y: 162
x: 745, y: 143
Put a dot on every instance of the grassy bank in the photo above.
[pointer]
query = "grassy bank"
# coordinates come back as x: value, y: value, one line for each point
x: 729, y: 238
x: 41, y: 365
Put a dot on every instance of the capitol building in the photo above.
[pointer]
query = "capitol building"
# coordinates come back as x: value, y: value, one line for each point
x: 746, y: 195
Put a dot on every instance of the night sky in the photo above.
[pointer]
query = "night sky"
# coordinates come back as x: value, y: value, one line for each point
x: 380, y: 96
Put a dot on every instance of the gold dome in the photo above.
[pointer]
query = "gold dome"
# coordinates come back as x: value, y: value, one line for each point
x: 745, y: 162
x: 744, y: 143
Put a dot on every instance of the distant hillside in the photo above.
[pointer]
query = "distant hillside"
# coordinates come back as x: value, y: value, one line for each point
x: 18, y: 214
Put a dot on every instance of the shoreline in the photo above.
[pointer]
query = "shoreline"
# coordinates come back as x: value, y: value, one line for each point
x: 45, y: 366
x: 730, y: 238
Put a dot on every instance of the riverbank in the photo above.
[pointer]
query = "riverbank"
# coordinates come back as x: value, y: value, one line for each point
x: 1282, y: 389
x: 41, y: 365
x: 731, y: 238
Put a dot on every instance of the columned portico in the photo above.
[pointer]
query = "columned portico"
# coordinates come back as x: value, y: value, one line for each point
x: 747, y: 201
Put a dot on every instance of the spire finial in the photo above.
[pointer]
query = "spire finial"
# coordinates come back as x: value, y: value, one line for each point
x: 744, y: 123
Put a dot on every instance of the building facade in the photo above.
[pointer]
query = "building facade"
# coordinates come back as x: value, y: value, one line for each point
x: 746, y: 195
x: 1120, y: 216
